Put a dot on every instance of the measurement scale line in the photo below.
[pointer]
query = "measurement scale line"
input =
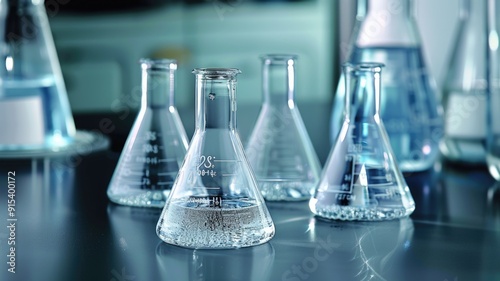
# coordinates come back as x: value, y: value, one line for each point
x: 131, y: 182
x: 165, y: 183
x: 374, y: 184
x: 132, y: 173
x: 167, y: 160
x: 167, y: 174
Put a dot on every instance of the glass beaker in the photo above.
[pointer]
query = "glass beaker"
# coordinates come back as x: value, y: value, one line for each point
x: 156, y: 145
x: 215, y: 201
x: 279, y: 148
x: 35, y: 115
x: 464, y: 96
x: 361, y: 179
x: 385, y: 31
x: 493, y: 95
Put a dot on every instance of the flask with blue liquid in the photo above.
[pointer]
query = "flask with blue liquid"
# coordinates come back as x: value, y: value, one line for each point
x: 35, y: 113
x: 386, y: 32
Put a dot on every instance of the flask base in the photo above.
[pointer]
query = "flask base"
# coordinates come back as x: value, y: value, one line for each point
x: 493, y: 161
x: 348, y: 213
x: 83, y: 143
x: 151, y: 199
x: 466, y: 151
x: 192, y: 224
x: 286, y: 190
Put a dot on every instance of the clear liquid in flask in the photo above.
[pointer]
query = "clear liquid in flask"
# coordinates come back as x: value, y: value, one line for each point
x: 215, y: 202
x: 361, y: 179
x: 279, y: 148
x: 156, y: 145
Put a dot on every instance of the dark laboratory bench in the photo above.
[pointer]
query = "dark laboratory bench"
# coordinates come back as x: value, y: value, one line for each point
x: 66, y: 229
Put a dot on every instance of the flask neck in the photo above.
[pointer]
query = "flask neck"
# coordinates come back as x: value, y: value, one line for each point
x: 158, y: 83
x: 215, y: 98
x: 362, y: 83
x: 278, y: 79
x: 473, y: 11
x: 394, y: 8
x: 386, y: 23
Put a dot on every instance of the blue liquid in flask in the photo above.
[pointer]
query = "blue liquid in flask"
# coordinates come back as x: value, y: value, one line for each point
x: 408, y: 104
x: 39, y: 116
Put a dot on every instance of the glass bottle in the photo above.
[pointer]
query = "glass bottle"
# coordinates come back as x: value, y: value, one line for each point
x: 464, y: 96
x: 279, y: 148
x: 361, y: 179
x: 215, y: 202
x: 156, y: 145
x: 493, y: 89
x: 386, y: 32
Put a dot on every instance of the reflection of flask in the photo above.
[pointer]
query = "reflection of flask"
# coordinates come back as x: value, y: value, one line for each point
x: 35, y: 115
x: 361, y: 179
x: 247, y: 264
x: 464, y: 96
x: 386, y: 32
x: 279, y: 148
x: 157, y: 143
x: 215, y: 201
x: 376, y: 251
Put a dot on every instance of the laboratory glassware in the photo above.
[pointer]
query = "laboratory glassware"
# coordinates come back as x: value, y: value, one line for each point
x: 464, y: 95
x: 279, y: 148
x: 215, y: 201
x: 35, y: 115
x: 361, y: 179
x: 156, y: 145
x: 386, y: 32
x: 493, y: 86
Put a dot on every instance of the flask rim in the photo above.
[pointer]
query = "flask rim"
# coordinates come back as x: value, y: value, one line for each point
x: 211, y: 73
x: 364, y: 66
x: 278, y: 57
x: 158, y: 64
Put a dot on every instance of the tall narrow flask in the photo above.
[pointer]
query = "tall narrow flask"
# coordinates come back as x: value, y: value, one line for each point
x: 156, y: 145
x: 215, y: 202
x: 361, y: 179
x: 464, y: 96
x: 386, y: 32
x: 35, y: 114
x: 279, y: 148
x: 493, y: 117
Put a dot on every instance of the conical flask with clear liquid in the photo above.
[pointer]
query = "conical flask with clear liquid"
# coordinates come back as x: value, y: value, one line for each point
x: 361, y: 179
x: 386, y: 32
x: 215, y: 202
x: 156, y: 145
x: 279, y: 148
x: 35, y: 115
x: 464, y: 95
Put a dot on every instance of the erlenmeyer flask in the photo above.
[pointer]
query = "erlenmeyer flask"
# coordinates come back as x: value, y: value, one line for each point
x: 279, y: 149
x: 156, y: 145
x: 464, y: 96
x: 386, y: 32
x: 215, y: 201
x: 361, y: 179
x: 35, y: 115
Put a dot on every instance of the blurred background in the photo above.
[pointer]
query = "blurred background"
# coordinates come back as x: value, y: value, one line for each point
x: 99, y: 44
